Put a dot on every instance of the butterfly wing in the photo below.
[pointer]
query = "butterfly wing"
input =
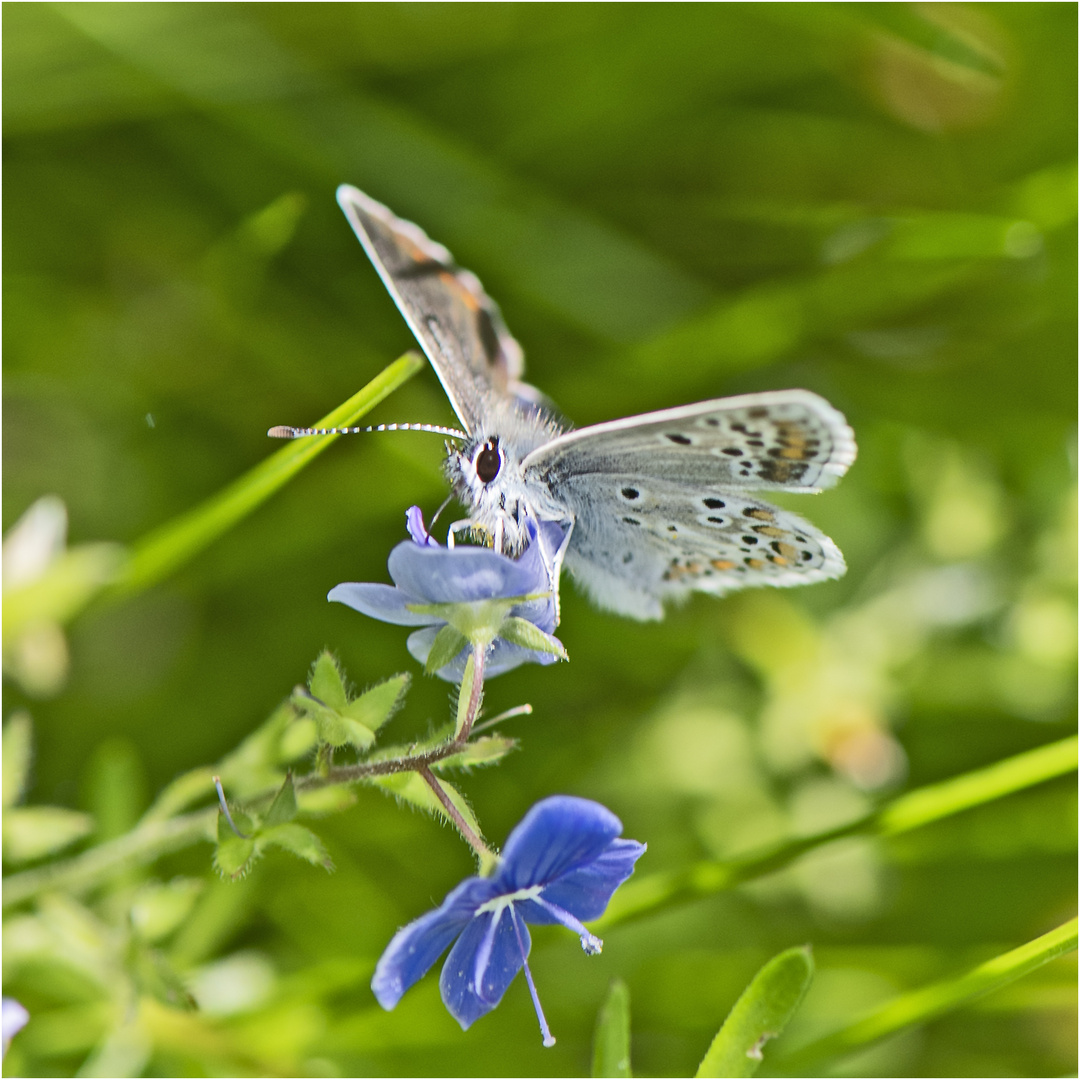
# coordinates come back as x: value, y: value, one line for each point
x: 457, y: 324
x: 784, y: 440
x: 641, y: 540
x: 661, y: 506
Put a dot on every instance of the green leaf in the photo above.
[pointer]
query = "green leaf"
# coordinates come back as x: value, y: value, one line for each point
x: 611, y: 1043
x: 116, y: 788
x: 761, y: 1013
x: 326, y: 682
x: 283, y: 808
x: 234, y: 855
x: 18, y: 752
x: 361, y: 737
x: 160, y: 907
x: 300, y: 841
x: 65, y: 587
x: 253, y: 766
x: 410, y: 788
x: 326, y: 800
x: 332, y: 727
x: 919, y: 1006
x: 521, y: 632
x: 486, y: 750
x: 31, y: 832
x: 447, y: 644
x: 155, y: 976
x: 375, y: 706
x: 187, y: 788
x: 298, y: 739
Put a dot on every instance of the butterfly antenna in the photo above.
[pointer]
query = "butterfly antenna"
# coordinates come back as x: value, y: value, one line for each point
x: 283, y: 431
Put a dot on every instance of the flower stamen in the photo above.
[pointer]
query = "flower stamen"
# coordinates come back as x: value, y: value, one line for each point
x: 589, y: 941
x: 545, y: 1031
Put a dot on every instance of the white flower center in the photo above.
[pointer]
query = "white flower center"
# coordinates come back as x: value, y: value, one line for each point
x: 498, y: 904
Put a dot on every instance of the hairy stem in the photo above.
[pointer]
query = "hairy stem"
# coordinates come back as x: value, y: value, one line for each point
x: 454, y: 814
x: 476, y: 693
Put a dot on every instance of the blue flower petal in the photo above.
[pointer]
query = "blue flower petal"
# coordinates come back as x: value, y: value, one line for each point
x: 502, y: 656
x: 556, y: 836
x: 585, y: 892
x: 416, y: 947
x: 380, y: 602
x: 467, y: 1002
x: 446, y: 576
x: 414, y: 522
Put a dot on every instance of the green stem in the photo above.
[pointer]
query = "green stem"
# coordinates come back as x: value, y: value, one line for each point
x: 919, y: 1006
x: 156, y: 836
x: 452, y: 812
x: 169, y: 547
x: 145, y: 844
x: 910, y: 811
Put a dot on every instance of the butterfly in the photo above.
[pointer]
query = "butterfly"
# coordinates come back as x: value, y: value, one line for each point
x: 650, y: 507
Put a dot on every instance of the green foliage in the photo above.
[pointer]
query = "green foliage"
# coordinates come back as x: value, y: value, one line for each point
x: 761, y: 1013
x: 31, y: 832
x: 611, y: 1042
x: 447, y: 644
x: 529, y: 636
x: 17, y: 756
x: 670, y: 203
x: 341, y: 720
x: 244, y: 838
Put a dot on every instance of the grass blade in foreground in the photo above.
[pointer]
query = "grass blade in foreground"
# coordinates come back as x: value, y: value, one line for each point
x: 659, y: 892
x: 174, y: 543
x: 611, y: 1043
x: 761, y: 1013
x: 82, y: 573
x: 919, y: 1006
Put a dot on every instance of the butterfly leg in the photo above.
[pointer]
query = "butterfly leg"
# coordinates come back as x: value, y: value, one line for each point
x: 465, y: 525
x: 454, y: 529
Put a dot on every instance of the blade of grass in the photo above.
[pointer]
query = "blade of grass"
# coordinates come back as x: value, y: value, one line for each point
x: 659, y: 892
x: 611, y: 1043
x: 83, y: 573
x: 169, y: 547
x: 919, y: 1006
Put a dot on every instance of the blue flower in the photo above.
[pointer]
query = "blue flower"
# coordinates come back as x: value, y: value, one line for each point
x: 561, y: 865
x: 426, y: 574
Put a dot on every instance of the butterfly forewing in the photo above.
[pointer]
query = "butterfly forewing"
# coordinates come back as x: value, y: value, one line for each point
x: 639, y: 540
x: 788, y: 440
x: 456, y: 322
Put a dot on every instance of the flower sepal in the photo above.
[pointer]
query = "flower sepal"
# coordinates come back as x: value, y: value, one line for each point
x: 243, y: 836
x: 342, y: 720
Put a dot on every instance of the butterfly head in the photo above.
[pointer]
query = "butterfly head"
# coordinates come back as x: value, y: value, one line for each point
x: 487, y: 479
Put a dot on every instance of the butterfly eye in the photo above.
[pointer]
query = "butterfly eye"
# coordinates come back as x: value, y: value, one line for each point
x: 488, y: 461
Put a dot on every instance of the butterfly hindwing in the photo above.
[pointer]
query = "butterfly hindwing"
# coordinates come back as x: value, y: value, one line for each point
x: 456, y: 322
x: 785, y: 440
x: 639, y: 540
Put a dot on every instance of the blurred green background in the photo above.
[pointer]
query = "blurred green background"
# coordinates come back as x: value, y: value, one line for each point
x: 670, y: 202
